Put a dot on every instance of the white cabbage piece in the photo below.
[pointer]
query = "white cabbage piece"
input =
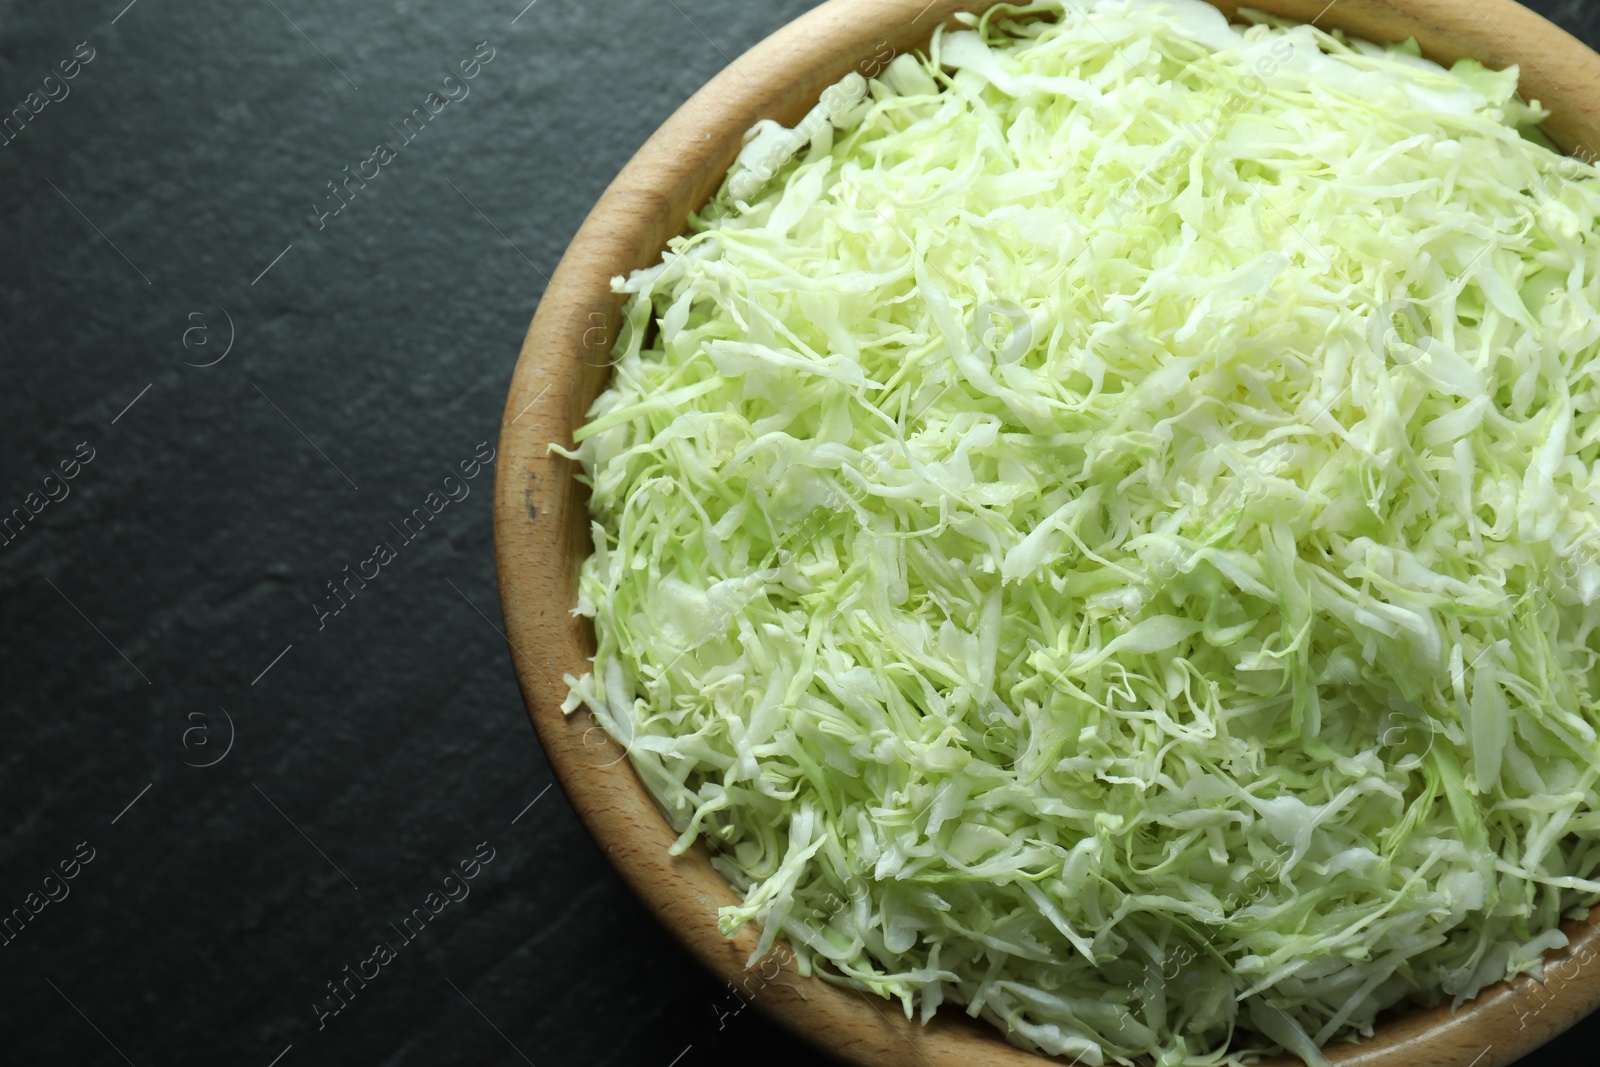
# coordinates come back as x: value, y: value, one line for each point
x: 1104, y: 532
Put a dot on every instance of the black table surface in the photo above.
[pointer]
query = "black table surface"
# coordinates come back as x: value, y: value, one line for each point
x: 254, y: 383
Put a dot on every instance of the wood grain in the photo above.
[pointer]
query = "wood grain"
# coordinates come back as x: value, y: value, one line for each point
x: 541, y: 526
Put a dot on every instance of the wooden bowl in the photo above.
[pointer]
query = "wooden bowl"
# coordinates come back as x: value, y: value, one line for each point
x: 541, y: 525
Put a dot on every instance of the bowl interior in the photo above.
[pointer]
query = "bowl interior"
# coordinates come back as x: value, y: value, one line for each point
x: 541, y: 525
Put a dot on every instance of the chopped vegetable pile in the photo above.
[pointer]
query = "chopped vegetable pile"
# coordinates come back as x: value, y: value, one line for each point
x: 1099, y: 525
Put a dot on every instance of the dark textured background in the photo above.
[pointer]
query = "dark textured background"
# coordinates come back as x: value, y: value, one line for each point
x: 383, y: 747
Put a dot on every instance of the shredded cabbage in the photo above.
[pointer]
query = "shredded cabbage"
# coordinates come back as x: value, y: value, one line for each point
x: 1097, y: 525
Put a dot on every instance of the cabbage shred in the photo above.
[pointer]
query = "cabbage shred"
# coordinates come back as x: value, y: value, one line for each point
x: 1098, y: 525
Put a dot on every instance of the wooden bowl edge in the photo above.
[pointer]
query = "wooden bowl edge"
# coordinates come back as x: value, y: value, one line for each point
x: 541, y: 530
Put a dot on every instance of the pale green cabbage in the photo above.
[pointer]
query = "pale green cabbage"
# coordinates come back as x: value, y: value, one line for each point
x: 1098, y: 525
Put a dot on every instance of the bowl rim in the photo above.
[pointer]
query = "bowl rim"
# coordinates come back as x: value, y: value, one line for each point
x: 541, y: 524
